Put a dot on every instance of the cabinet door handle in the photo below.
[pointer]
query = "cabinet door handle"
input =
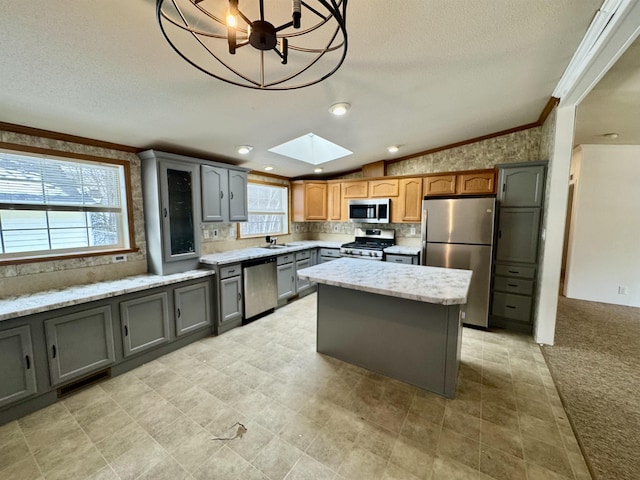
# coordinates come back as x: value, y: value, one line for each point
x: 239, y: 296
x: 221, y: 194
x: 165, y: 212
x: 178, y: 313
x: 499, y: 233
x: 232, y: 271
x: 53, y: 351
x: 231, y: 195
x: 511, y: 285
x: 28, y: 360
x: 510, y: 306
x: 513, y: 271
x: 126, y: 331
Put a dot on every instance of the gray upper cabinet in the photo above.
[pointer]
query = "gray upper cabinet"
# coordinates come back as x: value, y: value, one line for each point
x: 145, y: 323
x: 192, y: 307
x: 79, y: 343
x: 178, y: 193
x: 224, y: 194
x: 518, y: 235
x: 17, y: 371
x: 521, y: 186
x: 215, y: 194
x: 237, y: 196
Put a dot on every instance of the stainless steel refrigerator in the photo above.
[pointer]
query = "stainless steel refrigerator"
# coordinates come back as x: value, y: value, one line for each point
x: 458, y: 233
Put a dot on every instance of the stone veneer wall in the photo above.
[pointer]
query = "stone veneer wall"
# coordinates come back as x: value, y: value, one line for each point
x: 522, y: 146
x: 45, y: 275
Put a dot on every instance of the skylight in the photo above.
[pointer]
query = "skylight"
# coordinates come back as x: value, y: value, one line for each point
x: 311, y: 148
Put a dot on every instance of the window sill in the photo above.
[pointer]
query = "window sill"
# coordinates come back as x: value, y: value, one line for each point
x: 64, y: 256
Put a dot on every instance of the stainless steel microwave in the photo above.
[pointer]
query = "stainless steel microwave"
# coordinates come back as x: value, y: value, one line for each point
x: 371, y: 210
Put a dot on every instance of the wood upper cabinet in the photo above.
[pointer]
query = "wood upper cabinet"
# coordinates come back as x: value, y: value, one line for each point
x: 476, y: 183
x: 357, y: 189
x: 335, y: 201
x: 439, y: 185
x: 309, y: 201
x: 383, y: 188
x: 410, y: 200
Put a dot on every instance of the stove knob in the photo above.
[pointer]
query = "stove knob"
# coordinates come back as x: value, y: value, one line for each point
x: 371, y: 254
x: 360, y: 253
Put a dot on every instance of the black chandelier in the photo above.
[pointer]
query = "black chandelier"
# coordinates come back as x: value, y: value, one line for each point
x: 303, y: 43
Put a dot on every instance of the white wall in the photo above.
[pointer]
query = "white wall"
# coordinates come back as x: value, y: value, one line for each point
x: 604, y: 241
x: 553, y: 225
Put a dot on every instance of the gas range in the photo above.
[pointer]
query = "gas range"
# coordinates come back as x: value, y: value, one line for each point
x: 369, y: 244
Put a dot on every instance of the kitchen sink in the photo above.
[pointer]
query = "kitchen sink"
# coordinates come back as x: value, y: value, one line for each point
x: 274, y: 247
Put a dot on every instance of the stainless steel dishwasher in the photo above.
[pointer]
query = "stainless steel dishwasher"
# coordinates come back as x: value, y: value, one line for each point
x: 260, y: 287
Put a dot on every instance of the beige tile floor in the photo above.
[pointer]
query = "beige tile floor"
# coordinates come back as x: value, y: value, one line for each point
x: 307, y: 416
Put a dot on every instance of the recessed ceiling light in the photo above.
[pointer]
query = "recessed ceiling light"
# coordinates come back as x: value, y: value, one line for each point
x: 244, y: 149
x: 317, y: 170
x: 611, y: 136
x: 268, y: 168
x: 393, y: 149
x: 339, y: 109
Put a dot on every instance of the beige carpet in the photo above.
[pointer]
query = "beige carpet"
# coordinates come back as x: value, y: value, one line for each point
x: 595, y: 363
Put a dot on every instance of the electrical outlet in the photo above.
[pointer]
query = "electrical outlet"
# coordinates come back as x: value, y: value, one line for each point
x: 215, y: 233
x: 622, y: 290
x: 119, y: 258
x: 413, y: 230
x: 297, y: 228
x: 205, y: 234
x: 336, y: 228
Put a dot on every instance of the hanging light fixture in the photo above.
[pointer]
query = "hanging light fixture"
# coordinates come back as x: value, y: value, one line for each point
x: 302, y: 42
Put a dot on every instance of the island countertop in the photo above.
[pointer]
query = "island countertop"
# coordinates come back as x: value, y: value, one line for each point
x: 444, y: 286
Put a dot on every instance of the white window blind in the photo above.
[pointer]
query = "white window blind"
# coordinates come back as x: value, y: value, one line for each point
x: 50, y: 205
x: 268, y: 207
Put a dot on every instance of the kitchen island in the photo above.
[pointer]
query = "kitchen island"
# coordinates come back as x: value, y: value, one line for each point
x: 402, y: 321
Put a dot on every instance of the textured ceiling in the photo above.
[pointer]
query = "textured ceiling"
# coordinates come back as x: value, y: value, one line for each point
x: 419, y: 74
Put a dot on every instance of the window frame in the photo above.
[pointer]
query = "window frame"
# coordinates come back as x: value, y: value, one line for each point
x: 288, y: 216
x: 27, y: 257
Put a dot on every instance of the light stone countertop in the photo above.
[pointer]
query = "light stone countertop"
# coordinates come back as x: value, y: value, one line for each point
x: 244, y: 254
x: 403, y: 250
x: 444, y: 286
x: 23, y: 305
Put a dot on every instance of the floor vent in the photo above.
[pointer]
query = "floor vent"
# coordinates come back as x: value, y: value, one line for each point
x: 83, y: 383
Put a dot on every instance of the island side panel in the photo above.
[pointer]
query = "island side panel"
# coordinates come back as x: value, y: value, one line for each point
x: 404, y: 339
x: 454, y: 349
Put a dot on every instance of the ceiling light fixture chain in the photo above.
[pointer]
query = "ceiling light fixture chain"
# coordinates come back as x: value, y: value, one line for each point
x: 302, y: 43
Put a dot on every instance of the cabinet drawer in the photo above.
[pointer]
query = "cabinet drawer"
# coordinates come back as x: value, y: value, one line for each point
x: 284, y: 259
x: 517, y: 307
x: 303, y: 255
x: 330, y: 252
x: 230, y: 271
x: 513, y: 285
x: 515, y: 271
x: 408, y: 259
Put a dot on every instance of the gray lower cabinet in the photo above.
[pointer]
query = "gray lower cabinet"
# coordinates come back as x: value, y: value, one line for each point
x: 230, y: 288
x: 79, y: 343
x: 17, y: 369
x: 303, y: 260
x: 192, y: 307
x: 328, y: 254
x: 145, y: 323
x: 406, y: 259
x: 286, y: 276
